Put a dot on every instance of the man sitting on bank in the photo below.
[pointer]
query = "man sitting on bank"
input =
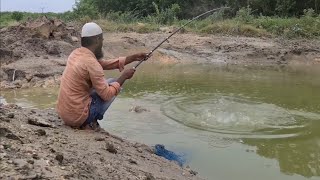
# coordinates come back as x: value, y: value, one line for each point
x: 85, y: 94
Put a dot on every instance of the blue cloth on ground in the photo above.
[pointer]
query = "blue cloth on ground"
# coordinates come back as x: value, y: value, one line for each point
x: 160, y: 150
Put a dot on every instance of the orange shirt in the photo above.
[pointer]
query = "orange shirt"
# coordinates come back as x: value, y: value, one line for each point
x: 82, y: 74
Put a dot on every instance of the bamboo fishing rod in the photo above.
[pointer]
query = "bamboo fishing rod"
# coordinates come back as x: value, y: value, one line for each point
x: 166, y: 39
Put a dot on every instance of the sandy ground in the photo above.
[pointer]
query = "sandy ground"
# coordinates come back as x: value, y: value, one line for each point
x: 34, y: 144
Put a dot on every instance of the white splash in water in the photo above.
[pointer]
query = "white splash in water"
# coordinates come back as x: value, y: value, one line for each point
x: 233, y: 115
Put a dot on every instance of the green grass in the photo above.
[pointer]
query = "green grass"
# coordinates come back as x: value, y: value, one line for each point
x: 231, y: 27
x: 307, y: 26
x: 304, y: 27
x: 139, y: 27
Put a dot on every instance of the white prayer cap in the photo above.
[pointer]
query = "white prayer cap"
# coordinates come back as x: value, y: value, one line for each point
x: 91, y: 29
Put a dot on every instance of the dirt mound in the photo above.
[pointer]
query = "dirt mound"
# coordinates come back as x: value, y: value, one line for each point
x: 34, y: 144
x: 39, y: 37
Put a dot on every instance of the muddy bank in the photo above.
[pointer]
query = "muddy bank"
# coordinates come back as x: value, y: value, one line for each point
x: 37, y: 38
x: 34, y: 144
x: 32, y: 51
x: 192, y: 48
x: 45, y: 70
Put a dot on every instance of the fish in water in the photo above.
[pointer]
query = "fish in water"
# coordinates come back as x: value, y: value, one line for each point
x: 138, y: 109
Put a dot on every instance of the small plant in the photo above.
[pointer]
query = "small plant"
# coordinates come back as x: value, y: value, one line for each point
x: 217, y: 16
x: 18, y: 16
x: 309, y: 13
x: 245, y: 14
x: 166, y: 16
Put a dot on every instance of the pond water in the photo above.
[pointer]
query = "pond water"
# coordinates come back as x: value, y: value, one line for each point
x: 232, y: 122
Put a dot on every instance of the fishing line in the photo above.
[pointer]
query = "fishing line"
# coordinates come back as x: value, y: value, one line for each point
x: 166, y: 39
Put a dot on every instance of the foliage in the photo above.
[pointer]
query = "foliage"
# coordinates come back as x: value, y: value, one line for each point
x: 288, y: 18
x: 125, y: 17
x: 190, y: 8
x: 166, y: 16
x: 245, y: 15
x: 18, y: 16
x: 86, y: 8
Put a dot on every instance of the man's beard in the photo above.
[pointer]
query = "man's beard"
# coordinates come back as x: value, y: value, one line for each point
x: 99, y: 53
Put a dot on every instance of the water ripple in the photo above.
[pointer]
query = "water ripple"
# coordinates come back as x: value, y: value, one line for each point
x: 237, y: 116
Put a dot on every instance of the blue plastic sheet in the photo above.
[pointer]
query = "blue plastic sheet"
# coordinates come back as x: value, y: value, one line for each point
x: 160, y: 150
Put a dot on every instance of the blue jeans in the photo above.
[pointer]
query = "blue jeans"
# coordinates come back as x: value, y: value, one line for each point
x: 98, y: 106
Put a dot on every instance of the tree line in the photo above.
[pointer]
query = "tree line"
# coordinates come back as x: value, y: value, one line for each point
x: 189, y: 8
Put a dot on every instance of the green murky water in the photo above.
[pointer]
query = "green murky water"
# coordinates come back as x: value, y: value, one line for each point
x: 234, y: 123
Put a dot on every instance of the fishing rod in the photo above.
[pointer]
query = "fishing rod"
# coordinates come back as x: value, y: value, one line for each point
x: 166, y: 39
